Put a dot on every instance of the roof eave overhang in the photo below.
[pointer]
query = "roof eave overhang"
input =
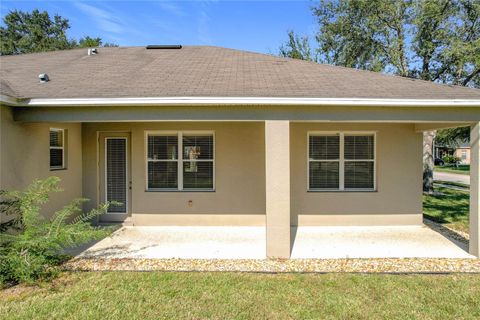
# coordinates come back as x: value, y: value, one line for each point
x: 254, y: 101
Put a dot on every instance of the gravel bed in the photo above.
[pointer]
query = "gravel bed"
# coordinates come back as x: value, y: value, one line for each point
x: 407, y: 265
x: 447, y: 231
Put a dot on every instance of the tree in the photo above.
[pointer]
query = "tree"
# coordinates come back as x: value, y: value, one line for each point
x: 434, y: 40
x: 297, y: 48
x: 443, y: 37
x: 33, y: 32
x: 453, y: 136
x: 27, y: 32
x: 87, y: 42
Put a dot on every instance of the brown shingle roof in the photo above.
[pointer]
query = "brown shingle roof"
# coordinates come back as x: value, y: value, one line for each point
x: 201, y: 71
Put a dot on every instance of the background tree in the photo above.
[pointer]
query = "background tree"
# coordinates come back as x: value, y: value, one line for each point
x: 87, y: 42
x: 27, y: 32
x: 297, y: 47
x: 434, y: 40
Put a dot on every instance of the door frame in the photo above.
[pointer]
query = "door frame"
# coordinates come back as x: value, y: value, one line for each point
x: 103, y: 137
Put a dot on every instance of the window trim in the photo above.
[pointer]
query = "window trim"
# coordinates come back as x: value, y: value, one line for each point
x: 341, y: 160
x: 62, y: 167
x: 180, y: 160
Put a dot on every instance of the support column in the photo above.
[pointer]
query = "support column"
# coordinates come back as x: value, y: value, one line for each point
x: 474, y: 248
x: 277, y: 171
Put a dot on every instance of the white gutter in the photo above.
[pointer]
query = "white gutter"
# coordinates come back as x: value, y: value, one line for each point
x: 4, y: 99
x: 265, y: 101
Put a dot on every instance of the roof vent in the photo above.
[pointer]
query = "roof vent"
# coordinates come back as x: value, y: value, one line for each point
x: 92, y: 51
x: 164, y: 46
x: 43, y: 77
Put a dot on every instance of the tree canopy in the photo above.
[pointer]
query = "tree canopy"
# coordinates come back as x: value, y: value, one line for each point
x: 27, y: 32
x: 436, y: 40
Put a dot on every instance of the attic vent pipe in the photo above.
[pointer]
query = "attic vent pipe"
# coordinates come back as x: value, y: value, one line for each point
x: 43, y: 77
x: 92, y: 51
x: 164, y: 46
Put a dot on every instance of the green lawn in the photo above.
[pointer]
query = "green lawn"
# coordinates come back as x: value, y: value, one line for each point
x: 450, y: 207
x: 157, y: 295
x: 461, y: 169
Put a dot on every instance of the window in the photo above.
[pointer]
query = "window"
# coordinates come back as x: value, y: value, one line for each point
x: 341, y: 161
x: 57, y: 149
x: 180, y: 161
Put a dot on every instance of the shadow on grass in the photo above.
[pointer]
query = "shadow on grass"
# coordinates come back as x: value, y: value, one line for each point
x: 447, y: 206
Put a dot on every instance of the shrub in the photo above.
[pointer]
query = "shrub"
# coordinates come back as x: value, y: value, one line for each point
x: 31, y: 246
x: 451, y: 159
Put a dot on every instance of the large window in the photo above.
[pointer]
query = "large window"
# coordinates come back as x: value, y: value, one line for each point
x: 341, y: 161
x: 180, y: 161
x: 57, y: 149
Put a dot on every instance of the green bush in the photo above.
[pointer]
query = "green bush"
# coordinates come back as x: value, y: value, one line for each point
x: 451, y: 159
x: 31, y: 246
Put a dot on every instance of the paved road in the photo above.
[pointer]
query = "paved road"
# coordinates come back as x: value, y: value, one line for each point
x: 451, y: 177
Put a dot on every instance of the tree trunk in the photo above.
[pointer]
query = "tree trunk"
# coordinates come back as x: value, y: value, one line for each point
x: 428, y: 161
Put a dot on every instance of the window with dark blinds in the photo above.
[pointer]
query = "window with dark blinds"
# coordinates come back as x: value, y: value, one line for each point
x: 180, y: 161
x: 324, y: 161
x: 341, y: 161
x: 57, y: 149
x: 359, y: 161
x: 162, y: 158
x: 198, y: 162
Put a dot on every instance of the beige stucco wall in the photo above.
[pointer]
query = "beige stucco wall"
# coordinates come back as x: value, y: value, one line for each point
x: 239, y: 196
x: 24, y: 157
x: 398, y: 199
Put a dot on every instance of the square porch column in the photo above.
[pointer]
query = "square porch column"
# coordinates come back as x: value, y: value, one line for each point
x: 277, y: 171
x: 474, y: 248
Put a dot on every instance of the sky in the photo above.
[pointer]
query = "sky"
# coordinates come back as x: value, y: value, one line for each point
x: 259, y: 26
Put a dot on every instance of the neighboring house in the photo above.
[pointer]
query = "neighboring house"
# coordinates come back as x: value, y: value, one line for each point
x: 214, y: 136
x: 462, y: 152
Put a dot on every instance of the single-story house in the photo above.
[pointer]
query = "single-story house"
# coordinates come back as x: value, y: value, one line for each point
x: 462, y: 152
x: 208, y: 136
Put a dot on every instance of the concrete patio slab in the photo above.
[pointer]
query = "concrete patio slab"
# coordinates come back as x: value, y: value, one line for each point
x: 249, y: 243
x: 374, y: 242
x: 182, y: 242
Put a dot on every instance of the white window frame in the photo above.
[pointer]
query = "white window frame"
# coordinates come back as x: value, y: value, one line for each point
x: 179, y: 159
x: 341, y: 160
x: 57, y: 148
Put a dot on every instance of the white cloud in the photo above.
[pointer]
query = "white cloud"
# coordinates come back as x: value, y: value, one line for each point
x: 105, y: 20
x: 172, y: 8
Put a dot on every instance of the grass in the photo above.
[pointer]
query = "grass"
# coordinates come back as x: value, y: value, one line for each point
x: 461, y: 169
x: 454, y: 184
x: 449, y: 207
x: 157, y: 295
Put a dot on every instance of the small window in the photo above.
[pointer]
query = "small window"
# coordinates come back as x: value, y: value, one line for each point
x: 341, y: 161
x: 180, y: 161
x: 57, y: 149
